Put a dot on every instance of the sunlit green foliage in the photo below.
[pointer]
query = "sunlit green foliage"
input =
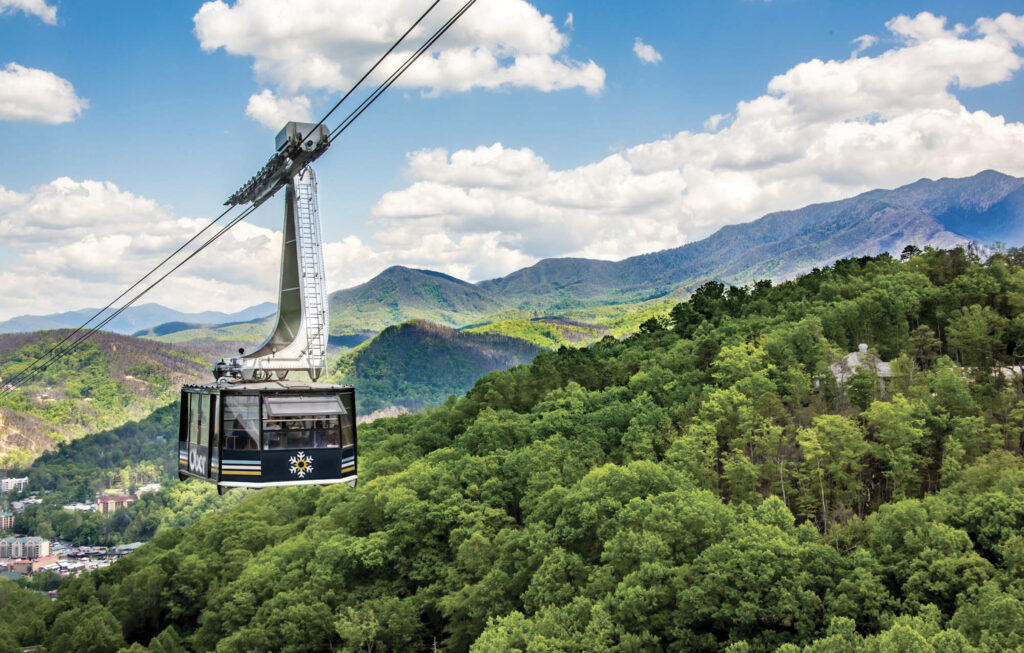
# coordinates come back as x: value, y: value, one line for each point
x: 706, y: 484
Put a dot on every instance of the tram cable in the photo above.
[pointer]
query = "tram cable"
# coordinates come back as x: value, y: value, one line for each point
x: 386, y: 84
x: 58, y: 351
x: 17, y: 379
x: 373, y: 67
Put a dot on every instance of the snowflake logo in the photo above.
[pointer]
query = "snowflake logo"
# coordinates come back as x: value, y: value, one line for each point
x: 301, y: 464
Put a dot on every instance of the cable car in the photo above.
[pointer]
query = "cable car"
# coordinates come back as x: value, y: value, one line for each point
x: 252, y: 427
x: 267, y: 433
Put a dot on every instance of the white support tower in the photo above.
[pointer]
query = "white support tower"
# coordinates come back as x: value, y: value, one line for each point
x: 299, y: 339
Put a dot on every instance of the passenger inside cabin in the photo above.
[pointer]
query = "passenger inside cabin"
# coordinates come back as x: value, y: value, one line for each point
x: 271, y: 435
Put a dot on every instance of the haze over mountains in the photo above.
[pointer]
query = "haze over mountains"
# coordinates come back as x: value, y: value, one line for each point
x: 132, y: 319
x: 987, y: 207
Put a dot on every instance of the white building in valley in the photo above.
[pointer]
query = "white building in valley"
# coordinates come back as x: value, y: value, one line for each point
x: 24, y: 547
x: 13, y: 484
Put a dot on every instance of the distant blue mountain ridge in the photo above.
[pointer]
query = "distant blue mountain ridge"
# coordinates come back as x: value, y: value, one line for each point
x: 133, y: 319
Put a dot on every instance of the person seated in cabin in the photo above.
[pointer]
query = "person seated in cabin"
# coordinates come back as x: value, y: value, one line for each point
x: 297, y: 437
x: 271, y: 435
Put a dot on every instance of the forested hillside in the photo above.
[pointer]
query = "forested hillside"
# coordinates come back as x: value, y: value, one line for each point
x: 707, y: 484
x: 400, y: 294
x: 104, y: 383
x: 577, y: 327
x: 419, y: 364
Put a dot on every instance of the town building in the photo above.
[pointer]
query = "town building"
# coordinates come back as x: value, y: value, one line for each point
x: 15, y: 484
x: 6, y: 521
x: 24, y: 547
x: 847, y: 366
x: 124, y: 549
x: 152, y: 487
x: 107, y: 504
x: 84, y: 507
x: 19, y: 506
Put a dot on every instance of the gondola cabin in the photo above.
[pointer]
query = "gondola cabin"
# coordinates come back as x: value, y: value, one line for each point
x: 267, y: 434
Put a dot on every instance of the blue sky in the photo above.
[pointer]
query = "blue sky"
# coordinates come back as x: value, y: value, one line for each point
x: 601, y: 154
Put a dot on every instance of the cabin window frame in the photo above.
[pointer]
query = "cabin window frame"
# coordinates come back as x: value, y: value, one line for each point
x: 205, y: 419
x: 249, y: 421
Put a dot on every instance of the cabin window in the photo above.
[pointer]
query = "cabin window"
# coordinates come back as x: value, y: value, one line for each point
x: 193, y: 418
x: 302, y: 405
x: 204, y: 420
x: 241, y: 422
x: 302, y: 422
x: 311, y: 432
x: 348, y: 421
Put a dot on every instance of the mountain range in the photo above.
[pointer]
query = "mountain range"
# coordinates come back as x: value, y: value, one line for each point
x: 987, y: 207
x: 504, y: 321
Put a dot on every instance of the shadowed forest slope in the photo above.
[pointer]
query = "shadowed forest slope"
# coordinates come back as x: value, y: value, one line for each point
x: 419, y: 364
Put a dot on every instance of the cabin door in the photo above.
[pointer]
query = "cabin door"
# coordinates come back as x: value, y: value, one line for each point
x: 199, y: 419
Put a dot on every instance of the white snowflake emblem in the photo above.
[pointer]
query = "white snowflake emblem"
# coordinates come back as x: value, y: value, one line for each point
x: 301, y: 464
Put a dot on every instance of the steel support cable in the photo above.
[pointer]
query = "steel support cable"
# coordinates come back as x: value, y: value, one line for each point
x: 87, y: 334
x: 373, y: 67
x: 386, y: 84
x: 16, y: 379
x: 57, y: 354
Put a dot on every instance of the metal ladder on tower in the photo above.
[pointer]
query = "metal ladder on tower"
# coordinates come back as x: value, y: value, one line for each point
x: 312, y: 279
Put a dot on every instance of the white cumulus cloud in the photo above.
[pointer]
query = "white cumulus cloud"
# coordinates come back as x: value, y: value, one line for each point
x: 273, y: 112
x: 713, y: 122
x: 33, y: 95
x: 310, y: 45
x: 47, y: 13
x: 81, y: 243
x: 645, y: 53
x: 863, y: 43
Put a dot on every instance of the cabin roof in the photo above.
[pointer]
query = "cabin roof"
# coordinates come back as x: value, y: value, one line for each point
x: 267, y: 386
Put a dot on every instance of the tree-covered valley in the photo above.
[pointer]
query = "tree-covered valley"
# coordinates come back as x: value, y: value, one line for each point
x: 104, y: 383
x: 706, y: 484
x: 127, y: 457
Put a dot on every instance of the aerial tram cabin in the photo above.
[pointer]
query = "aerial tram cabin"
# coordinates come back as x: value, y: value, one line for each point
x: 251, y: 427
x: 266, y: 434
